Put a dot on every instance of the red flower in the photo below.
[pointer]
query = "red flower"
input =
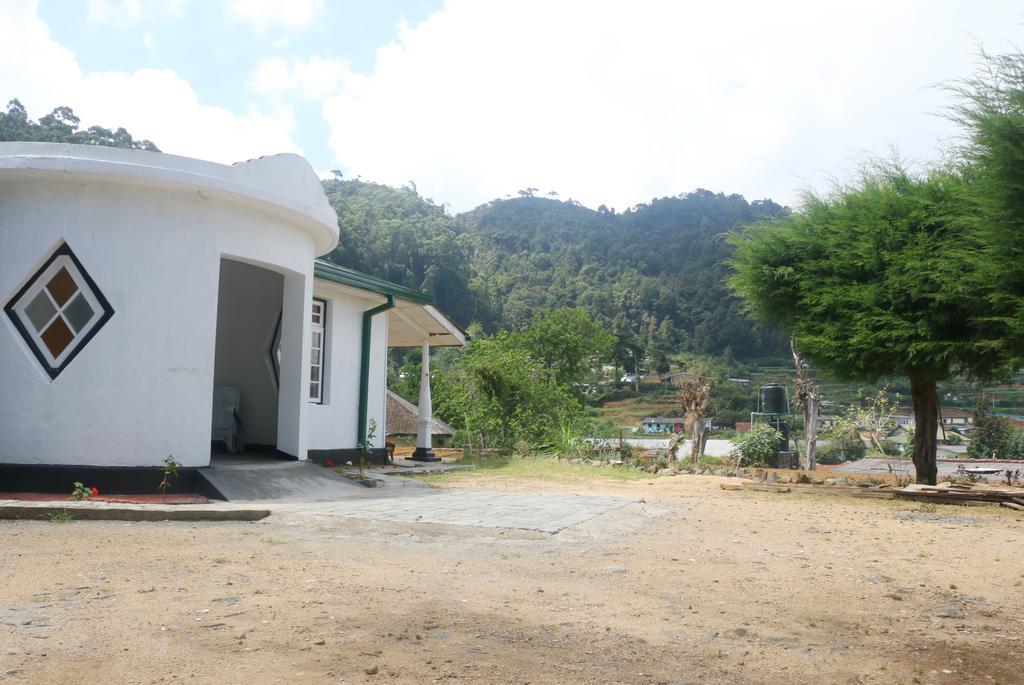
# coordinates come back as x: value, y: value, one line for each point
x: 94, y: 490
x: 330, y: 463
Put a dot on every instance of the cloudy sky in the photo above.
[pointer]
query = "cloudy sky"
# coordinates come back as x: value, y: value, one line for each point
x: 604, y: 102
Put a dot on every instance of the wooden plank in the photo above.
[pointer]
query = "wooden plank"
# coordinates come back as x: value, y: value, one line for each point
x: 942, y: 499
x: 839, y: 490
x: 759, y: 487
x: 1013, y: 505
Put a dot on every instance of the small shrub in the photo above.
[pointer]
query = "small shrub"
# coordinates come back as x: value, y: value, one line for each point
x: 170, y: 472
x: 79, y: 492
x: 843, y: 443
x: 757, y: 447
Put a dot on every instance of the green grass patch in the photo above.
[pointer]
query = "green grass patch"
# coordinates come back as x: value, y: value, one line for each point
x: 531, y: 468
x: 62, y: 516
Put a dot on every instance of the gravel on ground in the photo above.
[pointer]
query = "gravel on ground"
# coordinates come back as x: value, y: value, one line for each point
x: 684, y: 583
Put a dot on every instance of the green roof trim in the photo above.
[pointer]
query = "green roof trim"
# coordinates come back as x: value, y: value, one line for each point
x: 355, y: 279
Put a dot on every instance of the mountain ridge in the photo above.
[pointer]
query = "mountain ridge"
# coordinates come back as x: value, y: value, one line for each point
x: 653, y: 273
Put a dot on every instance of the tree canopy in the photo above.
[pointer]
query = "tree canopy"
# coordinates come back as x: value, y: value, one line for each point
x: 519, y: 387
x: 397, y: 235
x: 874, y: 280
x: 61, y: 126
x: 990, y: 108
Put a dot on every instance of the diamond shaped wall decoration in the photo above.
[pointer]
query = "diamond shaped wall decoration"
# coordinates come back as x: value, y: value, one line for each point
x: 59, y: 310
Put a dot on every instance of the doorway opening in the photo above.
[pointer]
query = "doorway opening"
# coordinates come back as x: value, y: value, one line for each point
x: 247, y: 365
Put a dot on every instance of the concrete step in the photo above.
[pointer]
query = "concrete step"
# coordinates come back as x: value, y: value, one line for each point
x: 277, y: 480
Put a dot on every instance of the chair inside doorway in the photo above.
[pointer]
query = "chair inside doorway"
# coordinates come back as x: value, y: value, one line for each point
x: 227, y: 420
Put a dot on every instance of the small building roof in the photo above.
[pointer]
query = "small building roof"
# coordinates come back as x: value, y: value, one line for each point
x: 663, y: 419
x: 414, y: 318
x: 400, y: 418
x: 357, y: 279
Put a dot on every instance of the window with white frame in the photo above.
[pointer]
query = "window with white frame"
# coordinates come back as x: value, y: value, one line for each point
x: 316, y: 357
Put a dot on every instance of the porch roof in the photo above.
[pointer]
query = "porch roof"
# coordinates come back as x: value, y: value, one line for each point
x: 356, y: 279
x: 414, y: 320
x: 411, y: 325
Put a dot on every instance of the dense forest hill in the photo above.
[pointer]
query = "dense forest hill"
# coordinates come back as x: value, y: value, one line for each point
x: 653, y: 274
x: 395, y: 234
x: 656, y: 269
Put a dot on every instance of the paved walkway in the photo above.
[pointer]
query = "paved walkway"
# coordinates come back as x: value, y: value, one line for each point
x: 256, y: 488
x: 546, y: 513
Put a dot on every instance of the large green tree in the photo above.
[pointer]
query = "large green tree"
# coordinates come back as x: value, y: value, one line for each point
x: 874, y: 280
x: 990, y: 108
x: 568, y: 343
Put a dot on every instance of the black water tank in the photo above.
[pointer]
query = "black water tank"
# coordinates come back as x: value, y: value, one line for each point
x: 773, y: 399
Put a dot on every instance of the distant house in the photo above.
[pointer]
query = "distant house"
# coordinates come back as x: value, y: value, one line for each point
x: 951, y: 416
x: 662, y: 424
x: 667, y: 424
x: 903, y: 436
x: 678, y: 377
x: 903, y: 419
x: 955, y: 416
x: 826, y: 421
x: 400, y: 421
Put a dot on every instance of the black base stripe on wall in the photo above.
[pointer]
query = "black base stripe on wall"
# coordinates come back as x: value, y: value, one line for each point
x: 115, y: 480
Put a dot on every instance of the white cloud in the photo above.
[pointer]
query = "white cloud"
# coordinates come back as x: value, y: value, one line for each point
x: 616, y: 103
x: 175, y: 7
x: 124, y: 14
x: 151, y: 103
x: 289, y: 14
x: 312, y: 79
x: 121, y: 14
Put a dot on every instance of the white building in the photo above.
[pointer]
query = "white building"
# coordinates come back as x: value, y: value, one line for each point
x: 135, y: 283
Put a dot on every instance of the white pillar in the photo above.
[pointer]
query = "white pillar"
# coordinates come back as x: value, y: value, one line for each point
x: 424, y: 420
x: 293, y: 389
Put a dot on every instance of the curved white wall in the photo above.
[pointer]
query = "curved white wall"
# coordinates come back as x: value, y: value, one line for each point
x: 141, y: 389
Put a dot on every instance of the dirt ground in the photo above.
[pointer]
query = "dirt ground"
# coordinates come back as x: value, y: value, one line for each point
x: 692, y: 585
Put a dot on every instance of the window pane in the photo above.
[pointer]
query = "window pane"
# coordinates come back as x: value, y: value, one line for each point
x: 40, y: 310
x: 62, y: 287
x: 78, y: 313
x: 314, y: 391
x: 57, y: 337
x: 314, y: 373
